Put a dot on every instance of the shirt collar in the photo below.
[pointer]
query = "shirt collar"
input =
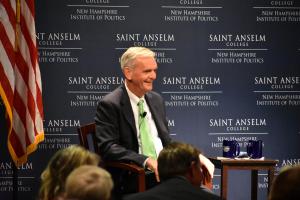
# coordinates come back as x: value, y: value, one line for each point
x: 133, y: 97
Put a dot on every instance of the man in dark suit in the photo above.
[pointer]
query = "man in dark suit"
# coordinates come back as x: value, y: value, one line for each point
x: 118, y: 133
x: 181, y: 175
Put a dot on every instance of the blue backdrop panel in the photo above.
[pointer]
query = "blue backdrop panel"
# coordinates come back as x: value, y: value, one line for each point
x: 227, y: 70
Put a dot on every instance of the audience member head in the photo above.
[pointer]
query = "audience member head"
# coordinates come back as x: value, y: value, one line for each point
x: 139, y: 68
x: 61, y: 164
x: 88, y: 182
x: 286, y: 186
x: 180, y: 159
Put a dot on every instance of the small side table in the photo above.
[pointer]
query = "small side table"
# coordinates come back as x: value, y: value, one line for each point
x: 252, y: 164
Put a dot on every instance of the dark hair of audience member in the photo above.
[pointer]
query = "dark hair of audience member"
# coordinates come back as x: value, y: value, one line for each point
x: 286, y: 186
x: 176, y: 159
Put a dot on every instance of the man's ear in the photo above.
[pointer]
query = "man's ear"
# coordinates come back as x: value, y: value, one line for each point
x: 194, y: 174
x: 127, y: 73
x: 191, y: 170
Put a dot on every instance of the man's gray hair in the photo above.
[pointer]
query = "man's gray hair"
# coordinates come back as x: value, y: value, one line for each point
x: 129, y: 56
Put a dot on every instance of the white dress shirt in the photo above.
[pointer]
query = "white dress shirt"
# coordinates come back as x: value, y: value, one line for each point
x: 153, y: 130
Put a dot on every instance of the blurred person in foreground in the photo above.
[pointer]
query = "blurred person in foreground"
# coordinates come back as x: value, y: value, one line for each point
x: 286, y: 186
x: 61, y: 164
x: 119, y: 116
x: 88, y: 182
x: 180, y: 172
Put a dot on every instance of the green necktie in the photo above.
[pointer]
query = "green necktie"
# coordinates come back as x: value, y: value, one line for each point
x: 148, y: 148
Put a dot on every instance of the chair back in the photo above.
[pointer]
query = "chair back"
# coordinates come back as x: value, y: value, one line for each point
x: 87, y: 140
x: 87, y: 136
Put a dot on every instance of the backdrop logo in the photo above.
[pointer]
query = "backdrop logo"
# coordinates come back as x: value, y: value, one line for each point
x: 97, y: 2
x: 58, y: 125
x: 8, y: 166
x: 58, y: 47
x: 224, y: 48
x: 97, y: 10
x: 242, y: 124
x: 146, y: 39
x: 179, y: 12
x: 190, y: 2
x: 86, y: 91
x: 194, y: 91
x: 94, y: 83
x: 161, y: 43
x: 238, y: 40
x: 266, y: 88
x: 239, y: 129
x: 64, y: 123
x: 56, y: 39
x: 191, y: 83
x: 280, y: 14
x: 277, y: 83
x: 289, y: 162
x: 58, y: 134
x: 23, y: 183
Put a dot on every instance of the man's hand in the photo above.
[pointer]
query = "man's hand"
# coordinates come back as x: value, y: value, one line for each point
x: 206, y: 163
x: 151, y: 164
x: 208, y: 169
x: 207, y: 179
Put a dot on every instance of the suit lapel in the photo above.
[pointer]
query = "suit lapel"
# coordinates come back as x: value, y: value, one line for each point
x: 127, y: 109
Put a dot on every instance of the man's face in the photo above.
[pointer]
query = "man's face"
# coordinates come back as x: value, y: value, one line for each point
x: 140, y: 77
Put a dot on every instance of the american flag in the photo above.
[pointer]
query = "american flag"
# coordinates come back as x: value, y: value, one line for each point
x: 20, y: 79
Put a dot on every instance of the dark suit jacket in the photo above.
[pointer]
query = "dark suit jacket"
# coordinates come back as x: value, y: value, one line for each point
x: 177, y: 188
x: 116, y: 134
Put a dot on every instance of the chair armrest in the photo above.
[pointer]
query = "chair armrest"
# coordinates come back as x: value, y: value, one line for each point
x: 127, y: 166
x: 132, y: 168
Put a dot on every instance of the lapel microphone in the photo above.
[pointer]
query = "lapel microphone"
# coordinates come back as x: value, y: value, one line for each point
x: 144, y: 114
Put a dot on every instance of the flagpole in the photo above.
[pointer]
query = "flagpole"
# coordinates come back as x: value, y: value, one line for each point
x: 15, y: 181
x: 17, y: 35
x: 18, y: 17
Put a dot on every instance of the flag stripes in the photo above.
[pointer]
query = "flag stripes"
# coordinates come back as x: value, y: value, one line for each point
x: 20, y: 83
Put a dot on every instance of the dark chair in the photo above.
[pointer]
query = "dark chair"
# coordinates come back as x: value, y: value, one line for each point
x: 87, y: 139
